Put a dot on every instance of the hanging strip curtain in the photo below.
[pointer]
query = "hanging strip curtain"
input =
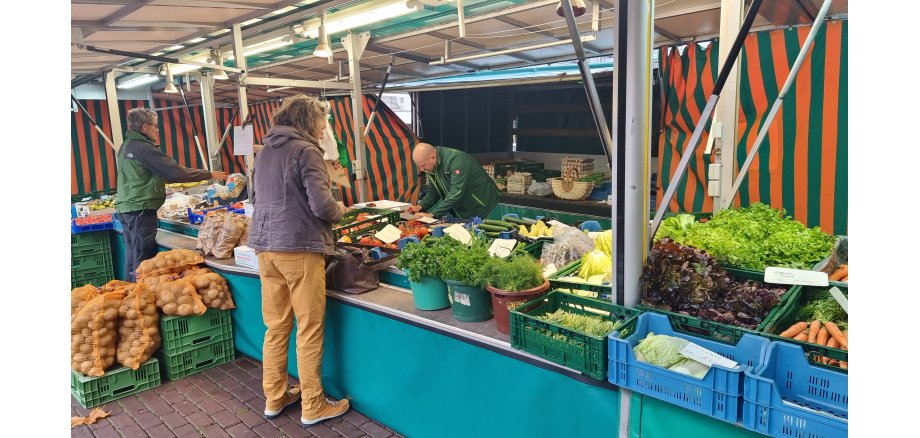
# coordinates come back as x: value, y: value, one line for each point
x: 802, y: 164
x: 390, y: 171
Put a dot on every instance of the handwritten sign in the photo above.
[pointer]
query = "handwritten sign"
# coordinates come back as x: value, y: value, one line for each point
x: 242, y: 140
x: 795, y: 276
x: 427, y: 220
x: 706, y: 357
x: 502, y: 247
x: 388, y: 234
x: 458, y: 232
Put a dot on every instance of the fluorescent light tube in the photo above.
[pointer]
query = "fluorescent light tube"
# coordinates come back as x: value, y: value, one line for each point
x: 138, y: 81
x: 350, y: 18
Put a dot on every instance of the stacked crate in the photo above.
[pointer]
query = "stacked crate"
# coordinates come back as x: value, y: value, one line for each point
x: 195, y: 343
x: 114, y: 384
x: 91, y: 259
x: 519, y: 182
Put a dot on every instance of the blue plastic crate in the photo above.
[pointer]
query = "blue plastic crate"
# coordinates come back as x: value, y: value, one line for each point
x: 601, y: 191
x: 819, y: 396
x: 195, y: 219
x: 74, y: 228
x: 718, y: 394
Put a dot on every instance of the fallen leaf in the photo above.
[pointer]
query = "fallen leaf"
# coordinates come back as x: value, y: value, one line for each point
x: 93, y: 416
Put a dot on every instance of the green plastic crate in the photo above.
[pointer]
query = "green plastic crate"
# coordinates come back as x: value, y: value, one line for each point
x: 80, y: 240
x: 375, y: 224
x: 197, y: 359
x: 786, y: 316
x: 184, y: 333
x: 567, y: 347
x: 97, y: 280
x: 115, y: 384
x: 94, y: 261
x: 721, y: 332
x: 94, y: 272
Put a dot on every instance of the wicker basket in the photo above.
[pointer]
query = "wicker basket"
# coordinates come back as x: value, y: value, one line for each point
x: 519, y: 182
x: 582, y: 166
x: 568, y: 187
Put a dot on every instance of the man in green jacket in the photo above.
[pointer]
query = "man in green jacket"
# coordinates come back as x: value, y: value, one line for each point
x: 457, y: 184
x: 143, y: 171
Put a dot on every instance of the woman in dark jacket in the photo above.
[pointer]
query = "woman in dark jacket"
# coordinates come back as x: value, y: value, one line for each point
x: 293, y: 213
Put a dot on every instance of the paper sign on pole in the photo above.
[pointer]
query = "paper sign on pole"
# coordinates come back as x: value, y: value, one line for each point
x: 388, y: 234
x: 795, y: 276
x: 502, y: 247
x: 242, y: 140
x: 338, y: 174
x: 458, y: 232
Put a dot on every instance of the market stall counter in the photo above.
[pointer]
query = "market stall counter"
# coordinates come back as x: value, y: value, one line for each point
x: 424, y: 373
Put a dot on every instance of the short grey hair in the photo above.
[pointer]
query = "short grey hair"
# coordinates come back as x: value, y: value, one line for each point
x: 139, y: 116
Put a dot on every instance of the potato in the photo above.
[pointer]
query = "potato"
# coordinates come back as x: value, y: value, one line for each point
x: 170, y: 309
x: 211, y: 294
x: 110, y: 314
x: 185, y: 309
x: 76, y: 339
x: 185, y: 299
x: 86, y: 367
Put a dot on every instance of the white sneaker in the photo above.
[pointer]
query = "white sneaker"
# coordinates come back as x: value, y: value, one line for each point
x: 291, y: 396
x: 330, y: 409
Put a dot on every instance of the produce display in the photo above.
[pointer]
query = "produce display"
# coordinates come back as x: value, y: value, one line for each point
x: 93, y: 334
x: 753, y: 237
x: 569, y: 244
x: 167, y: 261
x: 233, y: 227
x: 80, y: 296
x: 467, y: 265
x: 842, y: 273
x: 687, y: 280
x: 187, y: 185
x: 93, y: 220
x: 138, y: 326
x: 664, y: 351
x: 101, y: 204
x: 595, y: 177
x: 179, y: 298
x: 516, y: 273
x: 424, y: 259
x: 213, y: 289
x: 820, y: 321
x: 591, y: 325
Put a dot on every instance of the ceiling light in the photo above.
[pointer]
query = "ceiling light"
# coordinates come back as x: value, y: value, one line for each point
x: 272, y: 44
x: 358, y: 16
x: 322, y: 48
x: 216, y: 57
x: 170, y: 86
x: 138, y: 81
x: 248, y: 22
x: 194, y: 40
x: 175, y: 47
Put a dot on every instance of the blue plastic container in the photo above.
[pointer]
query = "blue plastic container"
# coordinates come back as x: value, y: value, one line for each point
x: 407, y: 240
x: 786, y: 375
x: 505, y: 235
x: 199, y: 218
x: 592, y: 226
x: 437, y: 232
x: 718, y: 394
x: 74, y: 228
x: 601, y: 191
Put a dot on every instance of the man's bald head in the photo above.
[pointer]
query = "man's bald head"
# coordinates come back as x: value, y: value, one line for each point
x: 425, y: 157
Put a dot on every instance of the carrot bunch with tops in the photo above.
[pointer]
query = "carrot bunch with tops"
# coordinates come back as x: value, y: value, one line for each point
x: 819, y: 332
x: 842, y: 273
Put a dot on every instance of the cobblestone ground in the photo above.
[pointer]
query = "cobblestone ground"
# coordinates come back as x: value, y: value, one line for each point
x: 224, y: 401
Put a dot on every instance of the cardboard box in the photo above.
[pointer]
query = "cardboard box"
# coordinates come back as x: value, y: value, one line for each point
x: 246, y: 257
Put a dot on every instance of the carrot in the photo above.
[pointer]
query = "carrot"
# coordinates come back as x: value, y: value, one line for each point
x: 843, y: 365
x: 845, y: 278
x: 845, y: 335
x: 794, y: 329
x: 822, y: 337
x: 832, y: 343
x: 801, y: 337
x: 835, y: 332
x: 813, y: 331
x: 841, y: 272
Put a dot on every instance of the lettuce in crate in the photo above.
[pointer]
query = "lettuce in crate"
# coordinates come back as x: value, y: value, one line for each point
x: 687, y: 280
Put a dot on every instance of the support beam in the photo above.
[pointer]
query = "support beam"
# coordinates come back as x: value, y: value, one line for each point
x: 469, y: 43
x: 412, y: 56
x: 275, y: 82
x: 726, y: 112
x: 355, y: 45
x: 508, y: 20
x: 117, y: 15
x: 211, y: 130
x: 182, y: 3
x: 175, y: 25
x: 111, y: 98
x: 238, y: 49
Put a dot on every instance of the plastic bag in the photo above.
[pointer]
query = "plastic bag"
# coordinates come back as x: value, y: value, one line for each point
x: 236, y: 182
x: 540, y: 189
x: 328, y: 144
x: 569, y: 244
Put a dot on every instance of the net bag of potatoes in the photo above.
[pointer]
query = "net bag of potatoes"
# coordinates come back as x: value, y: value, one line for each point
x: 230, y: 233
x: 93, y: 334
x: 210, y: 231
x: 115, y: 285
x: 214, y: 291
x: 173, y: 261
x: 179, y: 298
x: 80, y: 296
x: 138, y: 326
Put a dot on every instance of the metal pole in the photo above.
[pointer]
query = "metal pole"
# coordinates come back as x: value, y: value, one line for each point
x: 244, y: 103
x: 355, y: 44
x: 210, y: 120
x: 111, y: 97
x: 803, y: 53
x: 223, y: 138
x: 93, y: 121
x: 188, y: 113
x: 690, y: 151
x: 379, y: 95
x: 596, y: 110
x: 724, y: 125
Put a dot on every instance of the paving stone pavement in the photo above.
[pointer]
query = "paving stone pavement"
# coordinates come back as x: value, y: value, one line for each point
x: 224, y: 401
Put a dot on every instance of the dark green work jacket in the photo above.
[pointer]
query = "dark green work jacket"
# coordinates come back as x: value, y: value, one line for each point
x: 460, y: 186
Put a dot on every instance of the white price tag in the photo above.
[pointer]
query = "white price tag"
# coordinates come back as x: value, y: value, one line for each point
x: 795, y: 276
x: 502, y: 247
x: 462, y: 298
x: 427, y: 220
x: 458, y: 232
x: 242, y: 140
x: 841, y: 298
x: 706, y: 357
x: 388, y: 234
